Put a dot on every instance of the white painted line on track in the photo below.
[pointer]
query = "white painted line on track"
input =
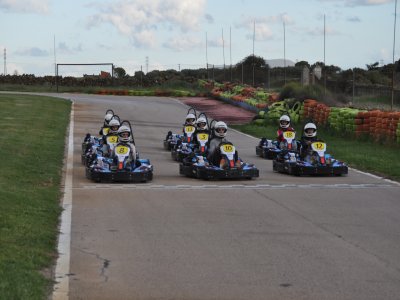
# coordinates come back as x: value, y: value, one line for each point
x: 375, y: 176
x: 61, y: 287
x: 232, y: 187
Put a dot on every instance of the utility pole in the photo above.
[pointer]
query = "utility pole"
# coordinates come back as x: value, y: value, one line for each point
x: 230, y: 49
x: 394, y: 46
x: 207, y: 55
x: 324, y: 60
x: 284, y: 53
x: 147, y: 64
x: 5, y: 62
x: 223, y: 50
x: 254, y: 37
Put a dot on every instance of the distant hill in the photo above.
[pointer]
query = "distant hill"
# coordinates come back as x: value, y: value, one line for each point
x: 279, y: 62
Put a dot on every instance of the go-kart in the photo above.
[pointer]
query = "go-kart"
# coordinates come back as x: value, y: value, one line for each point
x: 90, y: 146
x: 172, y: 139
x: 199, y: 167
x: 317, y: 162
x: 269, y: 149
x: 185, y: 145
x: 119, y: 168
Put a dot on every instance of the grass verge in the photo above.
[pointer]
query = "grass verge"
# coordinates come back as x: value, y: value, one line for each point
x: 32, y: 149
x: 365, y: 155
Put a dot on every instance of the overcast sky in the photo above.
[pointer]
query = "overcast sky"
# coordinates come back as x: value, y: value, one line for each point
x: 172, y: 33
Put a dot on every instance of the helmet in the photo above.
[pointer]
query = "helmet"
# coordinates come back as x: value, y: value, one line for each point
x: 220, y: 129
x: 201, y: 123
x: 114, y: 125
x: 284, y: 121
x: 107, y: 118
x: 122, y: 136
x: 190, y: 119
x: 310, y: 130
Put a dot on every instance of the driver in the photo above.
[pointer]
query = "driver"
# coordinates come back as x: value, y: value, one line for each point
x: 106, y: 126
x: 201, y: 127
x: 125, y: 138
x: 214, y: 155
x: 284, y: 125
x: 309, y: 136
x: 113, y: 131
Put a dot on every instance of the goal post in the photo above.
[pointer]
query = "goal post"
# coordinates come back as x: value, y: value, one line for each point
x: 94, y: 64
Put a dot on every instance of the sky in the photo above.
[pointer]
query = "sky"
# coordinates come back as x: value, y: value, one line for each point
x: 187, y: 34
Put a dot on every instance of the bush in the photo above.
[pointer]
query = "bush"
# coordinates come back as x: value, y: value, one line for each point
x: 296, y: 90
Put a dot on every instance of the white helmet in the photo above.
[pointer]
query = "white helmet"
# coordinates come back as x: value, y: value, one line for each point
x: 121, y: 134
x: 113, y: 123
x: 190, y: 119
x: 201, y: 123
x: 308, y: 132
x: 220, y: 125
x: 284, y: 121
x: 107, y: 118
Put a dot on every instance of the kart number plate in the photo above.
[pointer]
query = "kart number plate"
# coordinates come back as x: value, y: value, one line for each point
x: 202, y: 137
x: 318, y: 146
x: 106, y: 130
x: 112, y: 139
x: 228, y: 149
x: 121, y: 150
x: 189, y: 129
x: 289, y: 135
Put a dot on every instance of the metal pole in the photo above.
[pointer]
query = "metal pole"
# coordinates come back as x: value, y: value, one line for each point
x: 223, y: 49
x: 284, y: 53
x: 324, y: 59
x: 141, y: 76
x: 354, y: 85
x: 254, y: 37
x: 394, y: 46
x: 242, y: 73
x: 57, y: 77
x: 207, y: 55
x: 230, y: 49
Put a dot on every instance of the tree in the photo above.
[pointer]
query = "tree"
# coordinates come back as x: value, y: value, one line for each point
x: 119, y: 72
x: 302, y: 63
x: 373, y: 66
x: 258, y: 61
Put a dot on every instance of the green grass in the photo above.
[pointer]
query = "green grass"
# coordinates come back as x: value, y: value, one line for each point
x: 377, y: 158
x: 31, y: 151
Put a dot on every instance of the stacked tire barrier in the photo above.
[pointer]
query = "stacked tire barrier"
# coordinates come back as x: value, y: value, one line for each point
x: 380, y: 125
x: 376, y: 124
x: 398, y: 132
x: 343, y: 120
x: 277, y: 109
x: 315, y: 111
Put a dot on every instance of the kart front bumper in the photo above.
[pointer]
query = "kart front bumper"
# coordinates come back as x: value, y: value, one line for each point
x: 211, y: 173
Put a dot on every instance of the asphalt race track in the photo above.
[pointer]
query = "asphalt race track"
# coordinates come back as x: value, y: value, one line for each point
x: 275, y: 237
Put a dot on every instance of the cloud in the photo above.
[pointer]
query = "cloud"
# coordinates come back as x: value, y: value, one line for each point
x: 354, y: 3
x: 140, y: 19
x: 263, y: 26
x: 262, y: 32
x: 26, y: 6
x: 182, y: 43
x: 63, y: 48
x: 34, y: 51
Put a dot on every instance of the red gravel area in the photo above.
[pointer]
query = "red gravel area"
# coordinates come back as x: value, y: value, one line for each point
x: 219, y: 110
